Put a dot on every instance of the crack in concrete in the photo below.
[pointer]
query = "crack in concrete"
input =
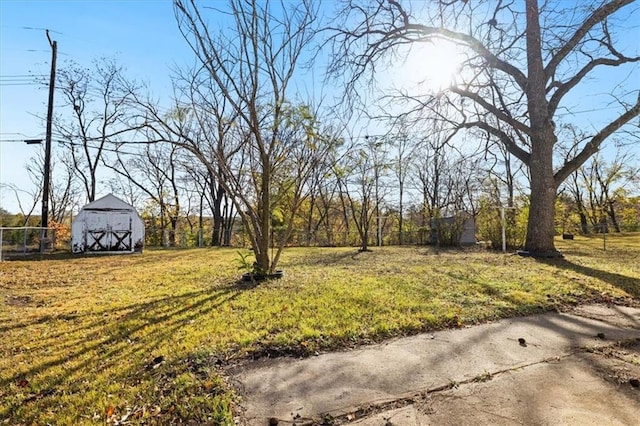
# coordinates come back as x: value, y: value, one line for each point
x: 420, y: 397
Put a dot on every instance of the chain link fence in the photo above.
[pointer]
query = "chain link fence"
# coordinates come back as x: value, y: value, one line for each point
x: 22, y: 241
x: 237, y: 238
x: 25, y: 240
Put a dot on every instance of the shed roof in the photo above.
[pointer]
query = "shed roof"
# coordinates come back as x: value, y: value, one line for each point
x: 109, y: 202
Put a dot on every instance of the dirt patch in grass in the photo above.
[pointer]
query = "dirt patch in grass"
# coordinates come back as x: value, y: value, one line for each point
x: 11, y: 300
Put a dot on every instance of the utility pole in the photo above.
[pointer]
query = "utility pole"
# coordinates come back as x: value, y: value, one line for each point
x: 44, y: 221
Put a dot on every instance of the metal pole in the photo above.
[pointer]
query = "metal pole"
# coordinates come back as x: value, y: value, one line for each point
x: 44, y: 222
x: 504, y: 225
x: 504, y: 231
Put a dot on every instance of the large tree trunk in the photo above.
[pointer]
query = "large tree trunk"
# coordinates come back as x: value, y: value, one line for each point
x: 541, y: 223
x: 540, y: 226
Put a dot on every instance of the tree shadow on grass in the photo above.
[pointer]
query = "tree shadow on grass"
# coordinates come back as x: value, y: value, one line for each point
x: 630, y: 285
x: 76, y: 348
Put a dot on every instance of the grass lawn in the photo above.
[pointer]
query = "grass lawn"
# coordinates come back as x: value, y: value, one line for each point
x: 95, y: 340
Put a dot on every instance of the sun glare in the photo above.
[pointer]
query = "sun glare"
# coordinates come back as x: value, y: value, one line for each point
x: 429, y: 66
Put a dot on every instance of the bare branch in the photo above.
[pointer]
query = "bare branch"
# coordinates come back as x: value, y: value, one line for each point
x: 599, y: 15
x: 596, y: 141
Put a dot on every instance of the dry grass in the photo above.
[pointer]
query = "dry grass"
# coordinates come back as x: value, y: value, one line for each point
x: 92, y: 340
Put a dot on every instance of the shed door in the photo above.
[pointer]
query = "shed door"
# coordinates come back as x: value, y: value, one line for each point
x: 108, y: 231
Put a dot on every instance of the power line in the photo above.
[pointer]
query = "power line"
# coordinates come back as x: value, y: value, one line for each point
x: 30, y: 28
x: 22, y: 80
x: 27, y: 141
x: 10, y: 76
x: 69, y: 143
x: 42, y: 29
x: 23, y: 50
x: 19, y: 84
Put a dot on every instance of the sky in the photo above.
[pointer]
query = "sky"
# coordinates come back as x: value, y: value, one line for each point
x: 142, y: 36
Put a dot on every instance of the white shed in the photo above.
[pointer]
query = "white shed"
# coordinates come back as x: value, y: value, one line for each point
x: 107, y: 225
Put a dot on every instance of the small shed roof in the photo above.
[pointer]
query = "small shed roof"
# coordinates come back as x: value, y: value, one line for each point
x: 108, y: 202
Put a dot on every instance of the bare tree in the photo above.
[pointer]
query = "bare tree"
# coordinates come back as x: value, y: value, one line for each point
x: 97, y: 99
x: 576, y: 192
x: 213, y: 196
x: 601, y: 180
x: 64, y: 195
x: 358, y: 175
x: 522, y: 61
x: 332, y: 214
x: 27, y: 201
x: 379, y: 152
x: 433, y: 170
x: 154, y: 171
x: 316, y: 201
x: 127, y: 190
x: 405, y: 150
x: 237, y: 110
